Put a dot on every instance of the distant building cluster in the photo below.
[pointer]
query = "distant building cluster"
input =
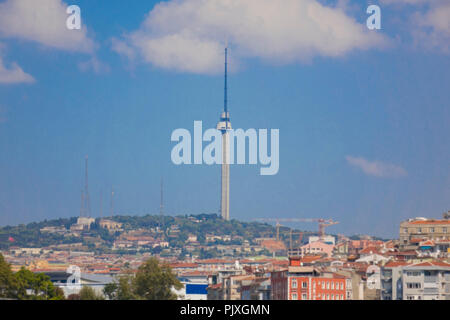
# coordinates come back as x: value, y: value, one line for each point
x: 414, y: 267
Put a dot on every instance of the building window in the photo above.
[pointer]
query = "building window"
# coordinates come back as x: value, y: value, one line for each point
x: 431, y: 230
x: 323, y: 284
x: 419, y: 230
x: 342, y: 286
x: 342, y: 297
x: 294, y: 296
x: 294, y: 283
x: 304, y: 296
x: 413, y: 285
x: 328, y: 285
x: 332, y: 297
x: 323, y: 296
x: 328, y: 297
x: 304, y: 284
x: 444, y: 229
x: 332, y: 286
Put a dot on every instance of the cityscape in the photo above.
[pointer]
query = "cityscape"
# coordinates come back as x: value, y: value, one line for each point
x: 333, y: 183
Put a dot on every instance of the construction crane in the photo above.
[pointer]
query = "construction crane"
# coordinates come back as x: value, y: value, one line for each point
x: 323, y: 223
x: 300, y: 236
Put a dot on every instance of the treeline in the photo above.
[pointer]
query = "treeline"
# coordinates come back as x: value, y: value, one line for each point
x: 26, y: 285
x: 152, y: 281
x: 29, y: 235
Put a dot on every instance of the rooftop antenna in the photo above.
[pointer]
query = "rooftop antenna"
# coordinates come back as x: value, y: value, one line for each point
x: 87, y: 206
x: 161, y: 205
x: 101, y: 204
x: 112, y: 201
x: 82, y: 204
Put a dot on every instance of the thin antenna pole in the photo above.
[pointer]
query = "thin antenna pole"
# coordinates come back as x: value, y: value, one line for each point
x: 86, y: 190
x: 225, y: 106
x: 101, y: 204
x: 112, y: 201
x: 161, y: 205
x: 82, y: 204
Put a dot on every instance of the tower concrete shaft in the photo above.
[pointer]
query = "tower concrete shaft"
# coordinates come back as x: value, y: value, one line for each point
x: 225, y: 194
x: 224, y: 126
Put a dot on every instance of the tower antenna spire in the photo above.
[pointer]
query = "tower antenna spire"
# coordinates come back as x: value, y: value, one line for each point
x: 225, y: 105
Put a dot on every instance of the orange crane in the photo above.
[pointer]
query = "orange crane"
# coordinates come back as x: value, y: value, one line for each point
x: 323, y: 223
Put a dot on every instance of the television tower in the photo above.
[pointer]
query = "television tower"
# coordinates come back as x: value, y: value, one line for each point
x: 224, y: 126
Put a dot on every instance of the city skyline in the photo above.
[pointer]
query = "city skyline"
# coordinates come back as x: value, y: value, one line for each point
x: 363, y: 123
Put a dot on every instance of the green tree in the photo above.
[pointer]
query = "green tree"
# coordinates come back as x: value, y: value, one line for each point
x: 87, y: 293
x: 36, y: 286
x: 120, y: 290
x: 154, y: 281
x: 8, y: 286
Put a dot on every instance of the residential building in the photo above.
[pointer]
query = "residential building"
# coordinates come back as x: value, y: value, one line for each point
x: 423, y: 228
x: 415, y: 281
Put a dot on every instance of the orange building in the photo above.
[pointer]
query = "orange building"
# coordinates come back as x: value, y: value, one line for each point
x: 301, y: 282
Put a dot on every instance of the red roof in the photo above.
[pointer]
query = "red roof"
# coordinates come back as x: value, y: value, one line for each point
x: 427, y: 243
x: 430, y: 222
x: 369, y: 250
x: 183, y: 265
x: 215, y: 286
x: 432, y: 264
x: 392, y: 264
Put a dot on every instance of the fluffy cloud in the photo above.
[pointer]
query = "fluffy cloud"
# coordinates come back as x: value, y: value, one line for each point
x: 189, y: 35
x: 44, y: 22
x: 13, y: 74
x: 376, y: 168
x: 429, y: 24
x: 95, y: 65
x: 401, y: 2
x: 434, y: 27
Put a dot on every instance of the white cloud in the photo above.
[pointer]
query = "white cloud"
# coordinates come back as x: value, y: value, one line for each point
x: 376, y: 168
x: 44, y: 22
x: 429, y: 24
x: 402, y: 2
x: 94, y: 65
x: 13, y: 74
x: 433, y: 29
x: 189, y: 35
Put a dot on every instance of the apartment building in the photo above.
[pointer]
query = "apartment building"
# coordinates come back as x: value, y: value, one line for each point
x: 391, y: 280
x: 417, y: 229
x: 415, y: 281
x: 426, y: 281
x: 301, y: 282
x: 257, y: 289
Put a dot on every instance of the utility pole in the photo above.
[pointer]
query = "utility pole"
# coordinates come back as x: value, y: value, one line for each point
x: 82, y: 204
x: 112, y: 201
x: 101, y: 204
x: 87, y: 206
x: 161, y: 205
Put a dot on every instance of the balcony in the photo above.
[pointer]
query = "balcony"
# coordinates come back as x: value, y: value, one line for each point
x: 430, y: 279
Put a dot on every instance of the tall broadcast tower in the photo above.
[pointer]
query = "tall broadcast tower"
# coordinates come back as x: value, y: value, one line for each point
x: 224, y: 126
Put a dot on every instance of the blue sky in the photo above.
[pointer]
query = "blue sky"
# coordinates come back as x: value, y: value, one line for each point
x: 363, y: 115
